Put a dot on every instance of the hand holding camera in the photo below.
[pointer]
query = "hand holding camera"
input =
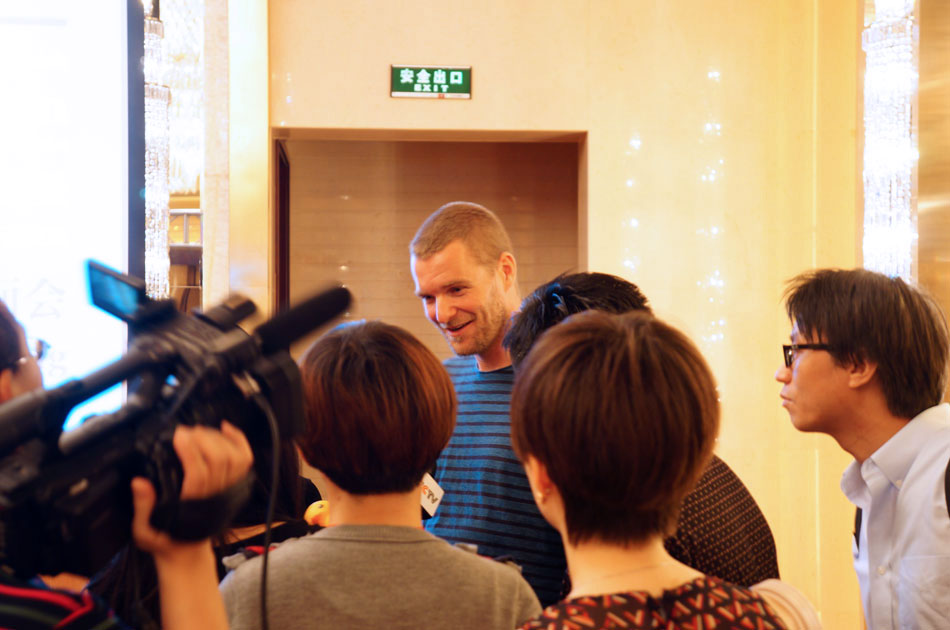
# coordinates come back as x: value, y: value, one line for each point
x: 212, y: 462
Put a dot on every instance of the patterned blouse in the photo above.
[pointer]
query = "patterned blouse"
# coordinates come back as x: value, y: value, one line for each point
x: 706, y: 602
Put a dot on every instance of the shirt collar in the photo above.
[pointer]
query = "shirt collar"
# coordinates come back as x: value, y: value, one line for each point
x: 895, y: 457
x: 852, y: 484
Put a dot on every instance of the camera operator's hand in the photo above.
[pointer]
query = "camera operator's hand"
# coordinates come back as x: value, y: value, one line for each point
x: 212, y: 461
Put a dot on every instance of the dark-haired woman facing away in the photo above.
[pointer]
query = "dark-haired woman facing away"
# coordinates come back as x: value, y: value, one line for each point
x: 379, y: 408
x: 615, y: 418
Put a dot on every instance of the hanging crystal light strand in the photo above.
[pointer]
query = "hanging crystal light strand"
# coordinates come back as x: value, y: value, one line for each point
x: 890, y: 139
x: 184, y: 74
x: 157, y: 98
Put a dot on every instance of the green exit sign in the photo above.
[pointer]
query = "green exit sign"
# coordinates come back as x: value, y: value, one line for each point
x: 431, y: 81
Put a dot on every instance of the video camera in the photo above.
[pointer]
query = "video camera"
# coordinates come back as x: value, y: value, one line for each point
x: 65, y: 503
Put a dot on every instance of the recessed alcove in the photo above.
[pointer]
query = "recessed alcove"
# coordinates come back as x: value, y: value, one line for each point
x: 354, y: 205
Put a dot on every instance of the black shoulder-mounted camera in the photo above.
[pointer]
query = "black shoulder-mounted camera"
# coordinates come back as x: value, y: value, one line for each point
x: 65, y: 503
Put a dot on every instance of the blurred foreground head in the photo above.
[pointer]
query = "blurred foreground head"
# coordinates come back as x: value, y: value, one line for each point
x: 622, y: 412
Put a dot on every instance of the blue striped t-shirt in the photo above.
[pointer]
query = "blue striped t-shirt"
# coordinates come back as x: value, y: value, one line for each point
x: 487, y: 500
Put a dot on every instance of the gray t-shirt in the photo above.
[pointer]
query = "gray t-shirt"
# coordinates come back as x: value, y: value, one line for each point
x: 377, y: 576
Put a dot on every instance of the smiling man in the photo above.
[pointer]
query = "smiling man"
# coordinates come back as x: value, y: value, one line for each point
x: 465, y: 298
x: 868, y: 365
x: 466, y: 276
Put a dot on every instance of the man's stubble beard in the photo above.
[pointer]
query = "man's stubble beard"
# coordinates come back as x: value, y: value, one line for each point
x: 494, y: 320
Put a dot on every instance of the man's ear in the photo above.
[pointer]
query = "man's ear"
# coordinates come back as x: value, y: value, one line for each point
x: 508, y: 268
x: 860, y: 373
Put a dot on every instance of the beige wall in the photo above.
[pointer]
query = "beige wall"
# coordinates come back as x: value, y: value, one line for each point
x: 250, y: 223
x: 783, y: 198
x: 933, y: 171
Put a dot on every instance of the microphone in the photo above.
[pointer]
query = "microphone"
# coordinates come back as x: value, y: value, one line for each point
x: 287, y: 327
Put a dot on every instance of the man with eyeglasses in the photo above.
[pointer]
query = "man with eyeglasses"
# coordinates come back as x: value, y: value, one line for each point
x: 19, y: 363
x: 868, y: 365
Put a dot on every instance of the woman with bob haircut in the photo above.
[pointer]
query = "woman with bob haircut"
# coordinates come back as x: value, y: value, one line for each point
x: 379, y: 408
x: 614, y: 418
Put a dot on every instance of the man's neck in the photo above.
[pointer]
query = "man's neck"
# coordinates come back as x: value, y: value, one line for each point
x: 870, y: 433
x: 496, y: 357
x: 491, y: 361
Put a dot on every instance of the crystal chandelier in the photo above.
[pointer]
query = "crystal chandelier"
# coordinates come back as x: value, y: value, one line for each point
x: 157, y: 98
x: 890, y: 139
x: 184, y: 74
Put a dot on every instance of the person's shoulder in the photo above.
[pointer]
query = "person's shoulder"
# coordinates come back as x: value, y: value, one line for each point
x: 936, y: 437
x: 493, y: 583
x: 245, y: 549
x: 712, y: 583
x: 719, y: 469
x: 720, y: 483
x: 245, y: 564
x: 789, y: 604
x: 925, y: 445
x: 770, y: 600
x: 746, y: 598
x: 482, y: 566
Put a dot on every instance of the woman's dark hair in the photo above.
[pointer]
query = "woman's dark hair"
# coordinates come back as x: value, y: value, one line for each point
x: 555, y: 301
x: 622, y: 411
x: 379, y: 408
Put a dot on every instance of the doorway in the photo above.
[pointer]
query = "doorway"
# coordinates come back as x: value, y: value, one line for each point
x: 354, y: 205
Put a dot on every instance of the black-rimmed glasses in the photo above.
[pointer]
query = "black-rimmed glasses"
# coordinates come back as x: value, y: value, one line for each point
x: 40, y: 348
x: 788, y: 351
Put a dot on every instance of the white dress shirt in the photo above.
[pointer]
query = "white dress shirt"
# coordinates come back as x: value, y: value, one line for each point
x: 903, y: 560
